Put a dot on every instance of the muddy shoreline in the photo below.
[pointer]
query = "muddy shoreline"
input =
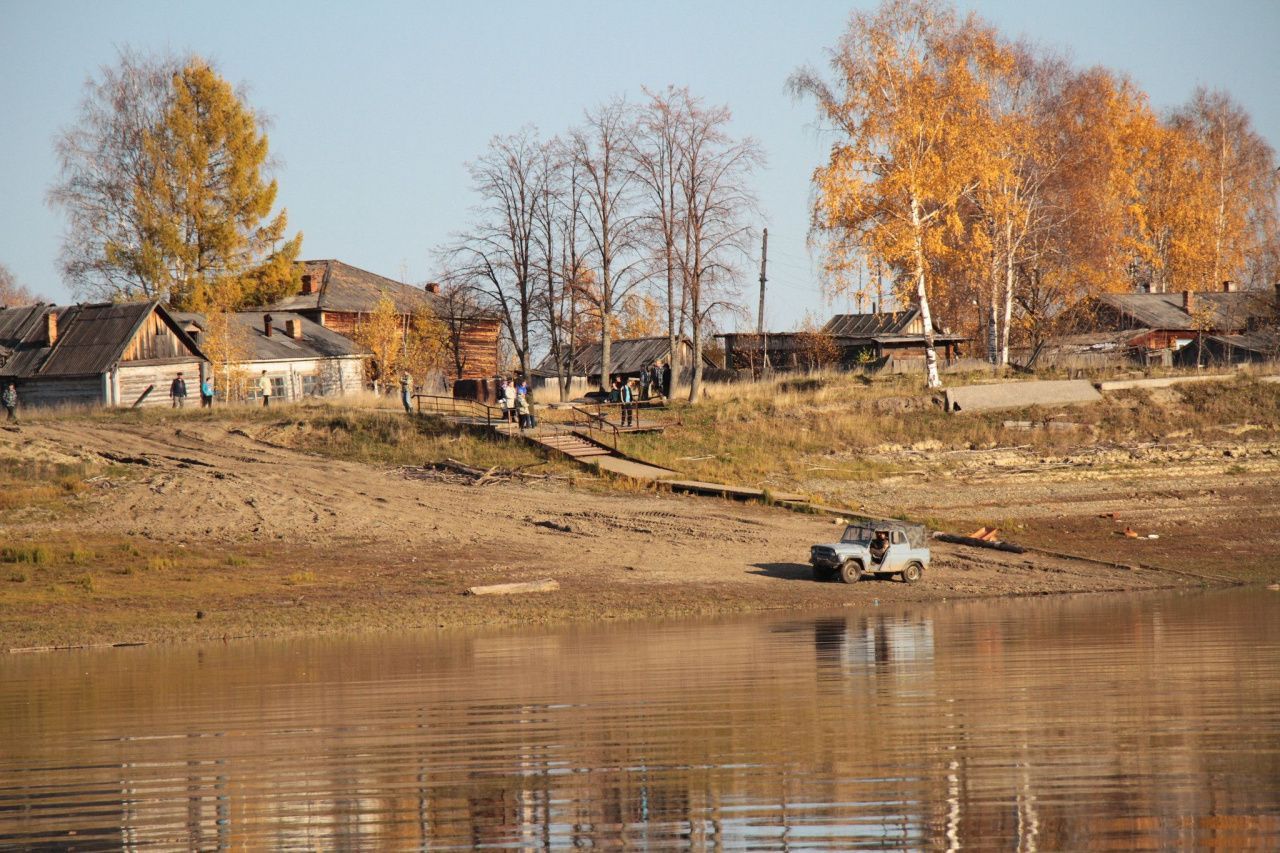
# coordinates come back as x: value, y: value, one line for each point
x: 223, y: 531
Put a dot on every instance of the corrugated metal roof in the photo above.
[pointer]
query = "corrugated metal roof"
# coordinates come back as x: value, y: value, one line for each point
x: 870, y: 325
x: 353, y: 290
x: 91, y: 338
x: 627, y: 355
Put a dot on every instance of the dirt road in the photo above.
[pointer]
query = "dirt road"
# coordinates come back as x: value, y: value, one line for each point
x: 241, y: 525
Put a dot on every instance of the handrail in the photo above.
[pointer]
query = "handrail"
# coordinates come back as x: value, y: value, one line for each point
x: 437, y: 404
x: 593, y: 418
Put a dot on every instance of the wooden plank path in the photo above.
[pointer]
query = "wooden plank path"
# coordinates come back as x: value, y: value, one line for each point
x: 589, y: 453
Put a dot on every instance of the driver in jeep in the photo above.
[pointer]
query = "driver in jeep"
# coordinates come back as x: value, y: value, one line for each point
x: 879, y: 546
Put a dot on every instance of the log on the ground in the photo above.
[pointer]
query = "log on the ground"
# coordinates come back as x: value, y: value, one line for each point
x: 544, y: 585
x: 980, y: 543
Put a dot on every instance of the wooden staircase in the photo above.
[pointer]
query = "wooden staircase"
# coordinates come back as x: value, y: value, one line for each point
x: 573, y: 445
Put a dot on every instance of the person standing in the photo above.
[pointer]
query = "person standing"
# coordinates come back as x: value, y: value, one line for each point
x: 522, y: 410
x: 509, y: 398
x: 645, y: 375
x: 625, y: 397
x: 178, y: 391
x: 666, y: 379
x: 406, y: 388
x: 10, y: 400
x: 264, y: 388
x: 206, y: 392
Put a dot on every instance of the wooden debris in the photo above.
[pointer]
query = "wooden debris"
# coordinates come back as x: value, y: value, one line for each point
x: 979, y: 543
x: 544, y: 585
x: 453, y: 471
x: 986, y: 534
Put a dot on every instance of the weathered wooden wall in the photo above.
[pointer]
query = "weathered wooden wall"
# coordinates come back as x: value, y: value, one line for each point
x: 153, y: 341
x: 478, y: 346
x: 69, y: 391
x: 133, y: 378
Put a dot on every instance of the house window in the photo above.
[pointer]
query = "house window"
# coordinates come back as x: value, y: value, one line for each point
x: 277, y: 387
x: 311, y: 386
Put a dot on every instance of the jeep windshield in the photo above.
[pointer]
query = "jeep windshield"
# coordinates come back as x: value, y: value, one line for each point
x: 857, y: 533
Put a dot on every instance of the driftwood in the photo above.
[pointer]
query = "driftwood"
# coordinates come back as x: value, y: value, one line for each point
x: 451, y: 470
x: 544, y: 585
x: 980, y: 543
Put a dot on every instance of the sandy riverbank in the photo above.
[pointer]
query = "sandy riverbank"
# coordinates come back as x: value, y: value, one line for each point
x: 236, y: 522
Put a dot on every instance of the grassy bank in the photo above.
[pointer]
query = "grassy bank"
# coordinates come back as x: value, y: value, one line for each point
x: 783, y: 431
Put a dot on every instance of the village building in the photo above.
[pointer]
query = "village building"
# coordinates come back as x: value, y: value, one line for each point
x: 627, y: 358
x: 340, y: 297
x: 302, y: 358
x: 883, y: 340
x: 1161, y: 324
x: 104, y: 354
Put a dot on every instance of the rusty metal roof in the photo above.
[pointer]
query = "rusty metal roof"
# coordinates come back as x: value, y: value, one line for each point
x: 90, y: 339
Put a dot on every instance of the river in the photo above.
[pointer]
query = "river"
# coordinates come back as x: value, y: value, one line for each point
x: 1064, y: 723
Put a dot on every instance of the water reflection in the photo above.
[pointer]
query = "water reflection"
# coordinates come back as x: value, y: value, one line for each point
x: 1056, y: 724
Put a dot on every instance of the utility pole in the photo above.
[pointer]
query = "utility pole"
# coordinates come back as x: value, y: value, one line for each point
x: 764, y: 258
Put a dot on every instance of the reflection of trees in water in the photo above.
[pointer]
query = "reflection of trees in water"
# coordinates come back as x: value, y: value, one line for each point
x: 959, y: 728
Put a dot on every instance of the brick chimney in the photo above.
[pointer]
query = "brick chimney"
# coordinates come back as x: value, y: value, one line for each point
x: 293, y: 328
x: 51, y: 328
x: 1188, y: 301
x: 433, y: 287
x: 308, y: 284
x: 266, y: 325
x: 1228, y: 286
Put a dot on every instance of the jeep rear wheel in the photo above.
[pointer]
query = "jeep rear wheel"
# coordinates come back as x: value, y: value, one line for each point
x: 851, y: 571
x: 912, y: 572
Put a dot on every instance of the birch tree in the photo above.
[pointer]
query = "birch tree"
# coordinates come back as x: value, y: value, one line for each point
x: 497, y: 255
x: 715, y: 204
x: 602, y: 150
x: 907, y: 104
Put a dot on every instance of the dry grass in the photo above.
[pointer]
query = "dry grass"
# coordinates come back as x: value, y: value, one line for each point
x: 782, y: 431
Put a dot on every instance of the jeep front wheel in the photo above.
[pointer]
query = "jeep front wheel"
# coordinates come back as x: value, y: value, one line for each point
x: 851, y: 571
x: 912, y: 572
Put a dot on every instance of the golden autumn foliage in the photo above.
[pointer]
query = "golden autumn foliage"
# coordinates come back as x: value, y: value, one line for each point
x: 999, y: 186
x: 383, y: 334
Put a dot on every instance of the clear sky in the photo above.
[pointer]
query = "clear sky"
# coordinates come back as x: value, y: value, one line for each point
x: 377, y: 106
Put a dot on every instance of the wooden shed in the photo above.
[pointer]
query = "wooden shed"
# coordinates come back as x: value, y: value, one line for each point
x: 101, y: 354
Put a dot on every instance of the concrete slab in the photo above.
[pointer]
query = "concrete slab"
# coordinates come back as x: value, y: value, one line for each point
x: 1016, y: 395
x: 1162, y: 382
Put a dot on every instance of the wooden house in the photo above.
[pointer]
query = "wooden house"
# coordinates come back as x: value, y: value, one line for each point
x: 340, y: 297
x: 302, y: 358
x: 1163, y: 323
x: 107, y: 354
x: 855, y: 340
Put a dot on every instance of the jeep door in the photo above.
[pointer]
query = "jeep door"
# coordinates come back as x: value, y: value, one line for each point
x: 895, y: 559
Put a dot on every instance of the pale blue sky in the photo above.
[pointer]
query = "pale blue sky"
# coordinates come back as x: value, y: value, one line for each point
x: 377, y: 106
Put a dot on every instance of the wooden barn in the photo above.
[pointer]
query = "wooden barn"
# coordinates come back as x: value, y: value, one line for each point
x: 855, y: 340
x: 339, y: 297
x: 627, y: 357
x: 106, y: 354
x: 302, y: 358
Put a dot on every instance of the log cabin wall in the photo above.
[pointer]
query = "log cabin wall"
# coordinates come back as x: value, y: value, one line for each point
x: 59, y: 391
x: 132, y: 379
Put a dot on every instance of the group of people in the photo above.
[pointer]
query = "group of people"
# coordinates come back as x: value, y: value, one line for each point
x: 654, y: 381
x: 516, y: 403
x: 178, y: 391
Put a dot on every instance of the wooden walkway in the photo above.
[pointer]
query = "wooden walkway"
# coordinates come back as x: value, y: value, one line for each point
x: 579, y: 446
